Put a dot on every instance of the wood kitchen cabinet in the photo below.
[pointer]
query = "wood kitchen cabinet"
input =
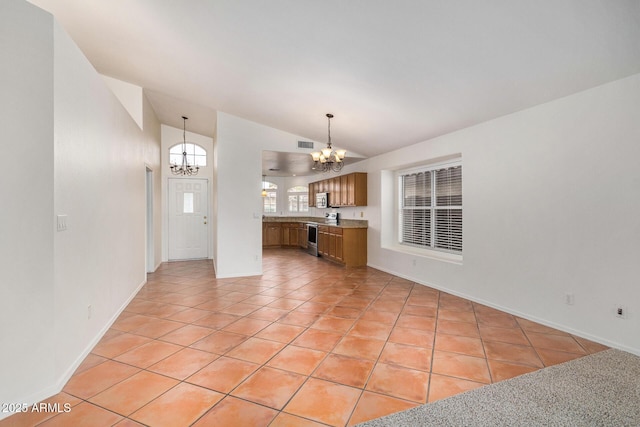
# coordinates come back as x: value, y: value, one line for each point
x: 356, y: 189
x: 346, y: 246
x: 323, y: 240
x: 339, y: 248
x: 344, y: 193
x: 344, y: 190
x: 283, y: 234
x: 290, y: 234
x: 335, y: 244
x: 336, y: 191
x: 271, y: 234
x: 313, y: 190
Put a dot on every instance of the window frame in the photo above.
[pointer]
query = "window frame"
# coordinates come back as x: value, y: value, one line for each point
x: 297, y: 193
x: 192, y: 156
x: 271, y: 199
x: 456, y: 238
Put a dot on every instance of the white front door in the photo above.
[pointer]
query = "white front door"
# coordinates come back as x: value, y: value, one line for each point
x: 188, y: 222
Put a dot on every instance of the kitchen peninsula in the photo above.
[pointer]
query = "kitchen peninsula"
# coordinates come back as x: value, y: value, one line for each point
x: 345, y: 243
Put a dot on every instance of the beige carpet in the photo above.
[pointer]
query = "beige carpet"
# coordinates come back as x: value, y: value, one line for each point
x: 602, y: 389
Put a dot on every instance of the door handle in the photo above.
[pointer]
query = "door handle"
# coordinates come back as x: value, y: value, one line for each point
x: 205, y: 222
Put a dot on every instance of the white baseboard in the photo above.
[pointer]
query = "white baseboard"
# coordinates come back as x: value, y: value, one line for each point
x: 52, y: 390
x: 526, y: 316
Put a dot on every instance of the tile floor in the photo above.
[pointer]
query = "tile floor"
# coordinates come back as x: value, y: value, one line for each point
x: 308, y: 343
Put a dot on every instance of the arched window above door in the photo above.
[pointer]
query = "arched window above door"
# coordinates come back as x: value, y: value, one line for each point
x: 196, y: 155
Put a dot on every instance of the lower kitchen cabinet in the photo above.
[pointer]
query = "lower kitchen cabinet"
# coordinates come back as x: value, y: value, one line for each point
x: 290, y: 234
x: 323, y: 240
x: 339, y: 247
x: 281, y: 234
x: 271, y: 235
x: 346, y: 246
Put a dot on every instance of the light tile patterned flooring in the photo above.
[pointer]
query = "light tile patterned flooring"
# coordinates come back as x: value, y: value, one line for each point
x: 308, y: 343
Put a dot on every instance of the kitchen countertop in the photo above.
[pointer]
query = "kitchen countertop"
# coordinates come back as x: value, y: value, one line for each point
x: 344, y: 223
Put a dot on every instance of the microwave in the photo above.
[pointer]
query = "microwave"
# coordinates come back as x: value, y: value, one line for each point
x: 322, y: 200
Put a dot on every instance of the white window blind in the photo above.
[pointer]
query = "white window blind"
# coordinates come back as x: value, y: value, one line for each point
x: 431, y: 208
x: 448, y: 224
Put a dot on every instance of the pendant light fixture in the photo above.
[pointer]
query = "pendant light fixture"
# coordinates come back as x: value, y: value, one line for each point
x: 264, y: 188
x: 327, y: 159
x: 185, y: 168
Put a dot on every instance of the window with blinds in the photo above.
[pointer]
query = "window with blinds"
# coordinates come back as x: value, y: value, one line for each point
x: 431, y: 208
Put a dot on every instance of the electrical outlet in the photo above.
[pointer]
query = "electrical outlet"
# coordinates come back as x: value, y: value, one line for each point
x: 413, y: 262
x: 89, y: 311
x: 620, y: 311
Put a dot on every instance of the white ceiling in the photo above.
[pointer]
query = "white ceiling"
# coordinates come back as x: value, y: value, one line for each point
x: 392, y: 72
x: 294, y: 164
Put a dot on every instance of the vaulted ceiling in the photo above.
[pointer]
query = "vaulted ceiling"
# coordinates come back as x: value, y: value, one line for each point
x: 392, y: 72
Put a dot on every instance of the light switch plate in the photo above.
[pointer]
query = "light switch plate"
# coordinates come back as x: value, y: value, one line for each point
x: 62, y: 222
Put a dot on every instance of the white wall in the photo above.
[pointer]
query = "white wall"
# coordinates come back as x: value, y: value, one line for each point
x: 238, y: 213
x: 171, y: 136
x: 86, y: 159
x: 550, y: 206
x: 26, y: 191
x: 238, y: 182
x: 100, y: 161
x: 130, y: 96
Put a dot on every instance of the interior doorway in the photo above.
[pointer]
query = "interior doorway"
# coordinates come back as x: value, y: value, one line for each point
x: 150, y: 255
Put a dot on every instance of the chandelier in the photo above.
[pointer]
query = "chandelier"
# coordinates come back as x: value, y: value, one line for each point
x: 185, y: 168
x: 327, y: 159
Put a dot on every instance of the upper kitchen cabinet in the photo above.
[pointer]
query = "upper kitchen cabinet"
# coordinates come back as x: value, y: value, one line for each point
x: 356, y: 189
x: 344, y: 190
x: 314, y: 188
